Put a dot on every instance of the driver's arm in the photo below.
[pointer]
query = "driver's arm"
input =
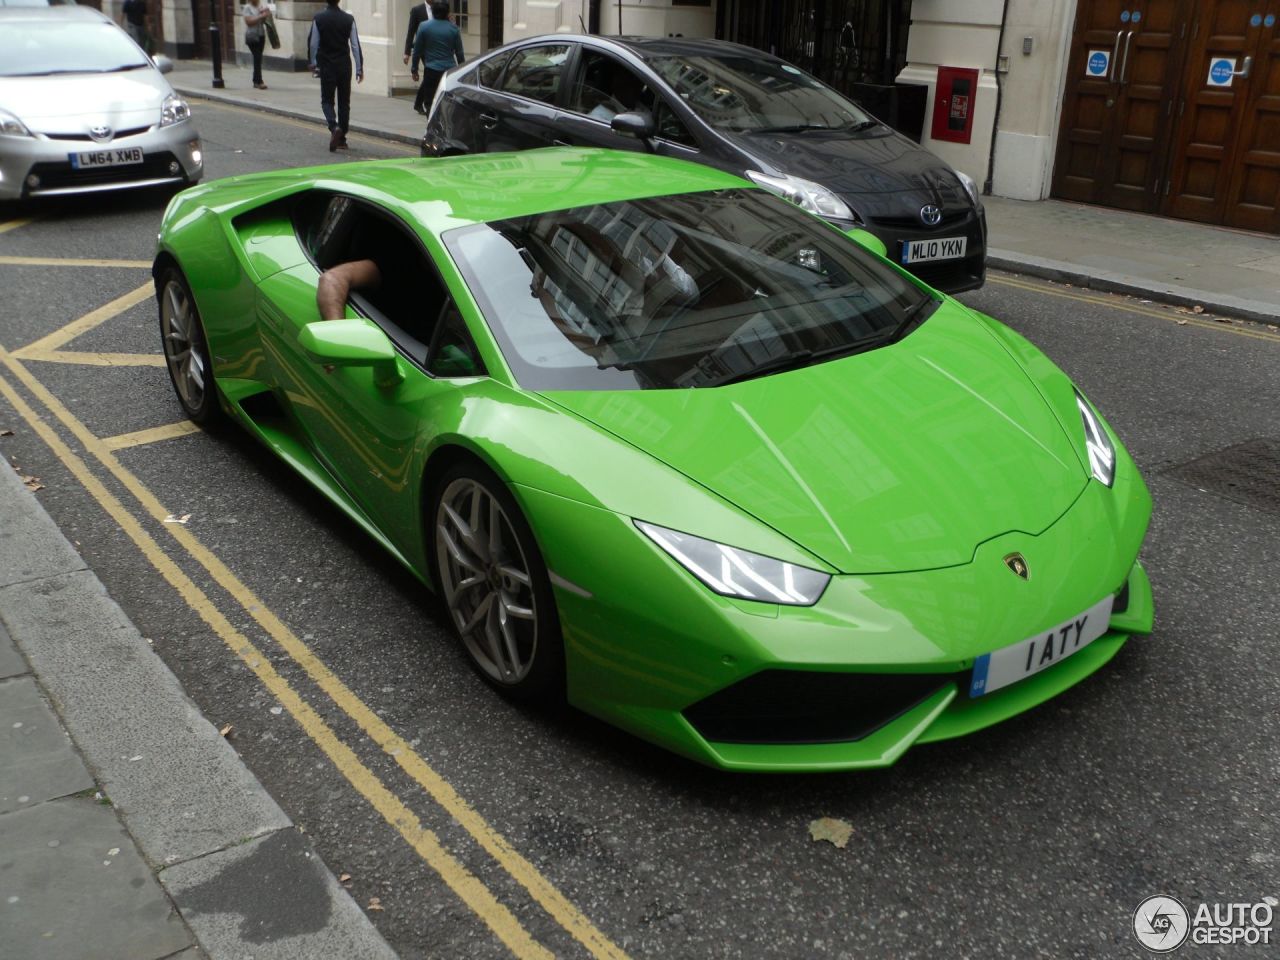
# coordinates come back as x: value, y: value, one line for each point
x: 336, y: 284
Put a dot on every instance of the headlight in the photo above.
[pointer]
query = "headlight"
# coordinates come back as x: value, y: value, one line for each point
x: 175, y: 110
x: 971, y: 188
x: 1102, y: 454
x: 737, y: 573
x: 807, y: 195
x: 11, y: 126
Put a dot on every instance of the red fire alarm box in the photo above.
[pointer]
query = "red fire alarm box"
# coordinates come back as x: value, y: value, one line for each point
x: 953, y: 104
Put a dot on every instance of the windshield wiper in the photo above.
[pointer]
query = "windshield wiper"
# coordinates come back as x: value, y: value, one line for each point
x: 793, y: 128
x: 912, y: 316
x: 127, y: 66
x: 861, y: 125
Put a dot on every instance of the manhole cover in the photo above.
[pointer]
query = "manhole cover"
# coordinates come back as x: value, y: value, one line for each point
x: 1247, y: 473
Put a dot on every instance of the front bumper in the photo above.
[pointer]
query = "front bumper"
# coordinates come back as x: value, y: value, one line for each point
x: 647, y: 647
x: 40, y: 166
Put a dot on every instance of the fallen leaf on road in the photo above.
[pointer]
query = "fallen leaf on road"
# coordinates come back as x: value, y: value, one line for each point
x: 1197, y: 309
x: 834, y: 831
x: 182, y: 519
x: 226, y: 730
x: 1182, y: 323
x: 344, y: 878
x: 33, y: 483
x: 6, y: 433
x: 375, y: 903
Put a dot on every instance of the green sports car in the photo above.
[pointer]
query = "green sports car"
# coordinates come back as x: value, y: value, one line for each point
x: 668, y: 446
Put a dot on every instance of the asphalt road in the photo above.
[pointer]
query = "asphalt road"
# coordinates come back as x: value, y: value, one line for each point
x: 485, y: 831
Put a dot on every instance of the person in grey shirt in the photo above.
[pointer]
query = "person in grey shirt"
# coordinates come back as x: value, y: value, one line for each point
x: 438, y: 45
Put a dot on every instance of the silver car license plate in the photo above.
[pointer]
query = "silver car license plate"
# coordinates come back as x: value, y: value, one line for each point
x: 115, y: 157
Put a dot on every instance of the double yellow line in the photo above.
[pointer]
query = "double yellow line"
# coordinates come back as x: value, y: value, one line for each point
x: 470, y: 889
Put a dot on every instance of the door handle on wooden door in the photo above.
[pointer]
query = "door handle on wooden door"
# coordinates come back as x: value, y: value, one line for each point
x: 1115, y: 57
x: 1124, y: 64
x: 1243, y: 72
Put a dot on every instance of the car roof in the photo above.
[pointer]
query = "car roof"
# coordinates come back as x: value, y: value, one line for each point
x: 59, y: 12
x: 646, y: 47
x: 441, y: 194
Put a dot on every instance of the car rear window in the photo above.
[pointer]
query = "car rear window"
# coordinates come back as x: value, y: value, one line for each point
x: 690, y: 290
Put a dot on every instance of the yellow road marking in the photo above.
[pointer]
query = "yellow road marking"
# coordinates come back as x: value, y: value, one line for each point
x: 1110, y: 300
x: 86, y: 323
x: 93, y: 359
x: 14, y: 224
x: 525, y: 873
x: 140, y: 437
x: 302, y: 124
x: 69, y: 261
x: 463, y: 883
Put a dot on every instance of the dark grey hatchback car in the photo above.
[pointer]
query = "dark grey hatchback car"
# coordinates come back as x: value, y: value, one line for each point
x: 726, y: 106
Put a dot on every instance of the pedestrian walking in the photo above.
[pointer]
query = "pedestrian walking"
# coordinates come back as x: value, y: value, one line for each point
x: 135, y: 21
x: 438, y: 45
x: 418, y: 13
x: 256, y: 16
x: 334, y: 46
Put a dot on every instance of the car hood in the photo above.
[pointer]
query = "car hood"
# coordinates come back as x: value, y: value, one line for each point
x: 869, y: 166
x: 903, y: 458
x: 75, y: 102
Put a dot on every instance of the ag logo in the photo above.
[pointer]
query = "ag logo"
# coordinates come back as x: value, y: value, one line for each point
x: 1161, y: 923
x: 1018, y: 564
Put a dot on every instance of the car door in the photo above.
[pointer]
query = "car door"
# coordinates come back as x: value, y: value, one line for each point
x: 522, y: 115
x: 456, y: 122
x: 368, y: 432
x: 602, y: 86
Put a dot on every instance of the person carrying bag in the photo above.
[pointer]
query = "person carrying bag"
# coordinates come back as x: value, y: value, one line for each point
x: 259, y: 25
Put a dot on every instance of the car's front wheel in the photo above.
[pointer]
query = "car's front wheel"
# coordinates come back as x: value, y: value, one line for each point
x: 495, y: 587
x: 186, y: 351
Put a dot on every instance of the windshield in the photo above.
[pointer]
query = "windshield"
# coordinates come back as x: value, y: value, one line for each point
x: 692, y: 290
x: 742, y: 94
x: 52, y: 46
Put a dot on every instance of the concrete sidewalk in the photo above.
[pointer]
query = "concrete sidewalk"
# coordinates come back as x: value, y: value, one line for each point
x: 130, y: 828
x: 1228, y: 272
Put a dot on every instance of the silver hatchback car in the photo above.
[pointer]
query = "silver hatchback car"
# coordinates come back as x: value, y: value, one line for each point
x: 82, y: 108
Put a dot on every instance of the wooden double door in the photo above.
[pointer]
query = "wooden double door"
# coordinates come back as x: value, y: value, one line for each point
x: 1173, y: 107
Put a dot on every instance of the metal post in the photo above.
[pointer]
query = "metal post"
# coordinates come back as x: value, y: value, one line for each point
x: 215, y: 43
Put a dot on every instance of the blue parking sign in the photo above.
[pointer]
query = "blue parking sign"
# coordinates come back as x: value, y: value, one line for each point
x: 1097, y: 64
x: 1220, y: 72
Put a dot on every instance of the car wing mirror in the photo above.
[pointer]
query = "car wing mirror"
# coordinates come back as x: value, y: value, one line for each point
x: 868, y: 240
x: 352, y: 343
x: 634, y: 123
x: 163, y: 63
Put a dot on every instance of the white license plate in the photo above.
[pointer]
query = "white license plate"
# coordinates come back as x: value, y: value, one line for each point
x: 1010, y: 664
x: 116, y: 157
x: 940, y: 248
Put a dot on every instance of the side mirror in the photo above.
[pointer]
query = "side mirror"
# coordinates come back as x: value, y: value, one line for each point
x: 352, y: 343
x: 163, y: 63
x: 868, y: 240
x: 635, y: 123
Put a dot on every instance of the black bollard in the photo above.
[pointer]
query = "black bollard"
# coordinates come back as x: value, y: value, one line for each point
x: 215, y: 43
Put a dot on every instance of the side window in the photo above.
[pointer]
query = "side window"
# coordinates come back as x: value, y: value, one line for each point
x: 606, y: 87
x: 490, y: 70
x: 535, y: 72
x: 453, y: 353
x: 408, y: 295
x: 670, y: 127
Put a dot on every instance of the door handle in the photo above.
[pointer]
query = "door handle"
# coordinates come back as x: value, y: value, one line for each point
x: 561, y: 143
x: 1124, y: 64
x: 489, y: 120
x: 1115, y: 57
x: 1243, y: 72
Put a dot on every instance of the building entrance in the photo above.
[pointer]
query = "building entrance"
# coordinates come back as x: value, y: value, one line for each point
x: 1173, y: 107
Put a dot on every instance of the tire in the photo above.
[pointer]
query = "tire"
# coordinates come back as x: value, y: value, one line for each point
x: 495, y: 590
x: 186, y: 350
